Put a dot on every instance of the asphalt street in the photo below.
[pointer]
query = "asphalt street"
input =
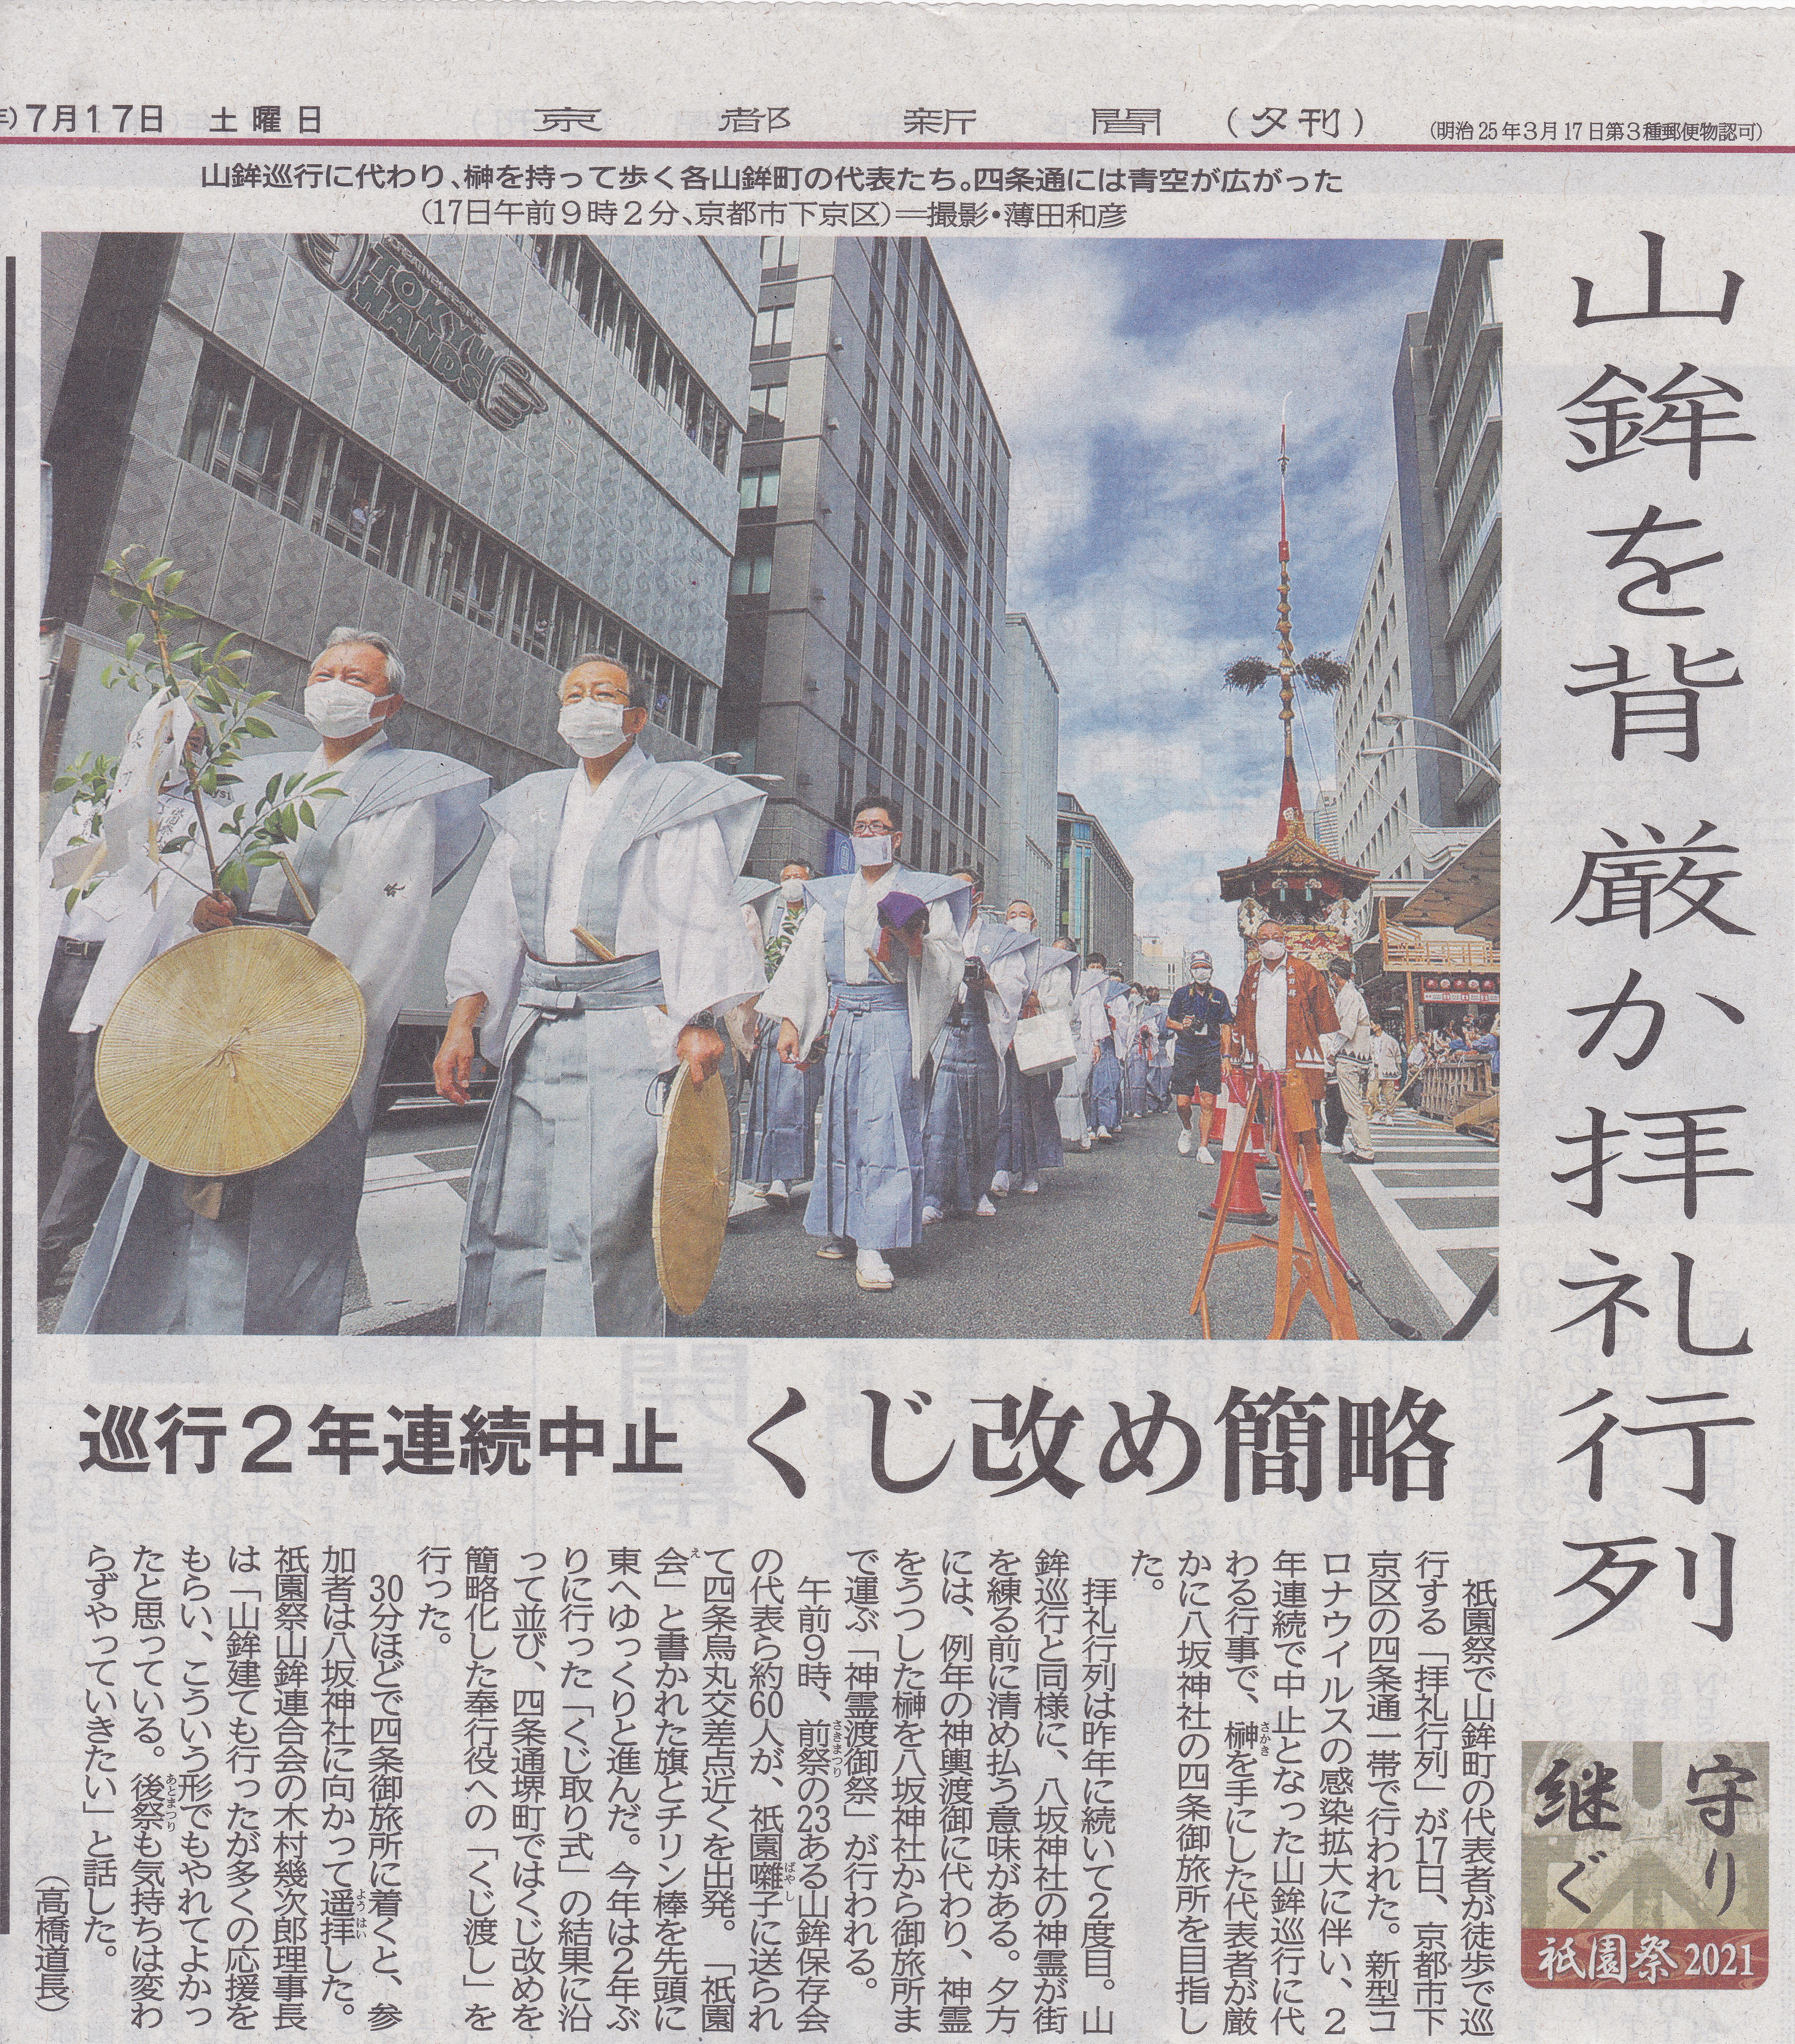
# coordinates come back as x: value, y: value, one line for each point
x: 1108, y: 1250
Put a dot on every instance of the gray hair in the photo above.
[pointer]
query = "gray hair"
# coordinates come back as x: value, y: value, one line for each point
x: 350, y: 635
x: 641, y: 690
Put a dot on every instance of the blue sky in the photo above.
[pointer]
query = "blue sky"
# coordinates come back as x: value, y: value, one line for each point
x: 1139, y: 385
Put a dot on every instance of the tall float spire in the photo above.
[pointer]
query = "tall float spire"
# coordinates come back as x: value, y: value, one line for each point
x: 1290, y: 798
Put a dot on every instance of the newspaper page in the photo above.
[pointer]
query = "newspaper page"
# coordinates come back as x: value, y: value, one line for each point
x: 759, y: 823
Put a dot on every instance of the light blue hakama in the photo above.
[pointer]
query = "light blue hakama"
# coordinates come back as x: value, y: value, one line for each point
x: 781, y: 1141
x: 868, y: 1184
x: 960, y: 1141
x: 1105, y: 1088
x: 1029, y: 1140
x: 559, y: 1237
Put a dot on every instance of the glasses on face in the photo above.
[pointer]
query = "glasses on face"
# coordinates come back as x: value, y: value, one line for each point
x: 869, y: 827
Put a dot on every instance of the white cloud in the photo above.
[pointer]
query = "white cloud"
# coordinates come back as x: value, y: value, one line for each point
x: 1144, y: 518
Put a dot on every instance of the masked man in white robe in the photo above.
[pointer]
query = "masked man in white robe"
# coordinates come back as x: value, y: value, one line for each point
x: 268, y: 1252
x: 884, y: 994
x: 1029, y: 976
x: 966, y: 1098
x: 780, y: 1148
x: 1102, y: 1013
x: 602, y: 945
x: 1061, y: 990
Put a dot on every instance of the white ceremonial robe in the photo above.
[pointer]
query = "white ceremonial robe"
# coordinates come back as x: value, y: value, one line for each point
x: 674, y: 896
x: 270, y: 1254
x: 558, y: 1239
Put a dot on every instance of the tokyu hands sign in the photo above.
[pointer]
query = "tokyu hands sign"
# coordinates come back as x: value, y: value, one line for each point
x: 394, y: 288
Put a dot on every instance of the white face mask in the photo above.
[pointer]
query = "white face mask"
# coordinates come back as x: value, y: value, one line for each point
x: 1023, y: 922
x: 792, y: 889
x: 1203, y: 978
x: 873, y: 850
x: 591, y: 726
x: 1272, y: 953
x: 339, y: 710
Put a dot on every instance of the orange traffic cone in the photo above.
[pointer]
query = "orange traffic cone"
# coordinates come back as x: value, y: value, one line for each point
x: 1243, y: 1198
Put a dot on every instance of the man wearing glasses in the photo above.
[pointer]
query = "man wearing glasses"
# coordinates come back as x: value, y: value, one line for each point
x: 878, y: 957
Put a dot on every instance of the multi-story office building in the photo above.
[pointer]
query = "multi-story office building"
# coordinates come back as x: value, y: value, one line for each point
x: 1427, y: 645
x: 1327, y: 818
x: 1096, y: 890
x: 1377, y: 763
x: 866, y: 594
x: 499, y: 451
x: 1449, y: 477
x: 1158, y: 963
x: 1027, y: 824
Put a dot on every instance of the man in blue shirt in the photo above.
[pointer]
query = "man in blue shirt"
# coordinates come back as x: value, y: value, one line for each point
x: 1200, y: 1024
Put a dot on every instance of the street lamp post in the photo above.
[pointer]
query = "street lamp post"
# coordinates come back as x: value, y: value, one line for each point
x: 1463, y: 747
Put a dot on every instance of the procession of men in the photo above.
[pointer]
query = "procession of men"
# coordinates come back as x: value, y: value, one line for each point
x: 893, y: 1054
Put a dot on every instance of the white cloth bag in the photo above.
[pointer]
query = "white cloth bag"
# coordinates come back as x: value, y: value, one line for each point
x: 1043, y: 1041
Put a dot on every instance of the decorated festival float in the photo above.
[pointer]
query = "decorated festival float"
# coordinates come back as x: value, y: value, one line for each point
x: 1270, y: 1125
x: 1298, y: 882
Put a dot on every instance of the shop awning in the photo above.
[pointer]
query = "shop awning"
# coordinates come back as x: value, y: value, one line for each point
x: 1465, y: 896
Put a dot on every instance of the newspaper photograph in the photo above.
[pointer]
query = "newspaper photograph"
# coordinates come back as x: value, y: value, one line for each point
x: 751, y: 817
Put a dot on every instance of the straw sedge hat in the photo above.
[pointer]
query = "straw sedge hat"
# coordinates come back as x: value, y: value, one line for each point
x: 231, y: 1051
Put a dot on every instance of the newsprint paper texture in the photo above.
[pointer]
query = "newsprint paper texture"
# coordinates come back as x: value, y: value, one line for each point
x: 1117, y: 455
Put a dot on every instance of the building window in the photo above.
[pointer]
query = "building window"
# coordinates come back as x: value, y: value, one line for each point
x: 856, y: 623
x: 953, y: 803
x: 935, y: 444
x: 766, y: 412
x: 907, y: 610
x: 850, y: 703
x: 778, y: 251
x: 959, y: 735
x: 885, y: 570
x: 941, y: 720
x: 938, y: 777
x: 935, y: 851
x: 760, y: 488
x: 593, y: 288
x: 863, y: 473
x: 862, y: 535
x: 878, y: 256
x: 875, y: 328
x: 750, y: 575
x: 910, y: 540
x: 916, y: 407
x: 900, y: 751
x: 904, y: 678
x: 844, y: 792
x: 869, y: 396
x: 875, y: 732
x: 773, y: 326
x: 981, y: 823
x: 268, y: 446
x: 888, y: 507
x: 882, y: 647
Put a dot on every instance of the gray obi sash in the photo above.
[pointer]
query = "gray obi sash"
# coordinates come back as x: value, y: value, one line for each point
x: 584, y: 986
x: 875, y: 995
